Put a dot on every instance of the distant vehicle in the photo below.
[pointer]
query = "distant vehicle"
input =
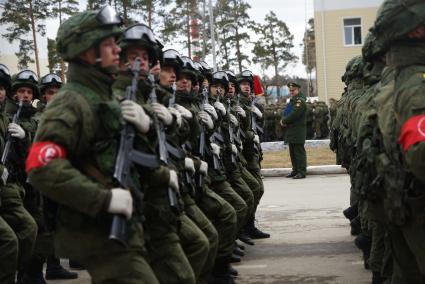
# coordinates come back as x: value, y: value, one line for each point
x: 272, y: 93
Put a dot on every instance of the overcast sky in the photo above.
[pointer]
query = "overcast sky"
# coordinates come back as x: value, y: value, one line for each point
x: 293, y: 13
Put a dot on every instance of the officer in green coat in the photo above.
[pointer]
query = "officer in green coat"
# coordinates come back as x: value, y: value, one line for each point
x: 294, y: 122
x: 73, y: 158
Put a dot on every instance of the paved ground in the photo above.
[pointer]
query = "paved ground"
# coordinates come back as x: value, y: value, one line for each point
x: 310, y: 238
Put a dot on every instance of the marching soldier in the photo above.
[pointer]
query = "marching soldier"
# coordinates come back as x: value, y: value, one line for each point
x: 72, y: 159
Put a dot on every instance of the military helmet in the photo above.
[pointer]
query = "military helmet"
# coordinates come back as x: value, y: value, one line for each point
x: 5, y: 79
x: 396, y: 18
x: 141, y: 35
x: 221, y: 78
x: 199, y: 72
x: 85, y: 30
x: 26, y: 78
x: 231, y: 76
x: 189, y: 69
x: 246, y: 76
x: 371, y: 49
x: 49, y: 80
x: 206, y: 70
x: 171, y: 57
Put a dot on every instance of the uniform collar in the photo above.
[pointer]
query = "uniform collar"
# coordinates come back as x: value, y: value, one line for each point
x: 91, y: 77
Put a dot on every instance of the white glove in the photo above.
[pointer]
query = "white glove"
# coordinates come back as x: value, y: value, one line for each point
x: 234, y: 120
x: 16, y: 130
x: 162, y: 113
x: 121, y: 202
x: 174, y: 180
x: 257, y: 112
x: 256, y: 139
x: 211, y: 111
x: 4, y: 176
x: 234, y: 149
x: 177, y: 115
x: 134, y: 113
x: 215, y: 149
x: 203, y: 169
x: 189, y: 165
x: 206, y: 119
x: 240, y: 111
x: 184, y: 111
x: 220, y: 107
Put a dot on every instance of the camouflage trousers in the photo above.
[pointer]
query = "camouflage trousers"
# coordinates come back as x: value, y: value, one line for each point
x: 225, y: 190
x: 192, y: 250
x: 15, y: 220
x: 223, y: 216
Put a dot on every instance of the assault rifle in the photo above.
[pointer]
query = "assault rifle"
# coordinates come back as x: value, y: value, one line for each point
x: 126, y: 157
x: 201, y: 149
x: 231, y: 131
x: 162, y: 144
x: 254, y: 126
x: 8, y: 145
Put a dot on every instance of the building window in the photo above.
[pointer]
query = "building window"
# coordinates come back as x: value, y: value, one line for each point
x: 353, y: 31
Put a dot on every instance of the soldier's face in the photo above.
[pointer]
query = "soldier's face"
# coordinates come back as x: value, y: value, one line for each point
x: 167, y: 76
x: 216, y: 87
x: 232, y: 89
x: 184, y: 83
x: 205, y: 83
x: 293, y: 91
x: 135, y: 51
x: 2, y: 94
x: 245, y: 87
x: 109, y: 52
x: 196, y: 88
x: 24, y: 94
x: 49, y: 93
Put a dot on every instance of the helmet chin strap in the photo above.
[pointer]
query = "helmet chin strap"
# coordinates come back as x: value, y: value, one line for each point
x: 109, y: 70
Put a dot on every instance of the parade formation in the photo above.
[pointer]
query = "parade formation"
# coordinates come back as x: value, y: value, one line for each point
x: 378, y: 136
x: 144, y: 167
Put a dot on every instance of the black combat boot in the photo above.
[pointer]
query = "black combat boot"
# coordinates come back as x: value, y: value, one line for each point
x: 351, y: 212
x: 75, y: 265
x: 33, y: 272
x: 356, y: 227
x: 55, y: 271
x: 221, y: 273
x: 243, y: 237
x: 377, y: 278
x: 254, y: 232
x: 237, y: 251
x: 364, y: 243
x: 292, y: 174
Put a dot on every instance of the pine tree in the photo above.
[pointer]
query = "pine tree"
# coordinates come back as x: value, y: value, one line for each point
x: 233, y: 23
x: 60, y: 9
x: 309, y: 53
x: 55, y: 61
x: 24, y: 19
x: 274, y: 46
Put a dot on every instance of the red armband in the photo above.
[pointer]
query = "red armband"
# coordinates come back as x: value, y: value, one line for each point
x: 412, y: 132
x: 41, y: 153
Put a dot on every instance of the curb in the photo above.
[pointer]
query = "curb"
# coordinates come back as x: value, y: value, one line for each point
x: 312, y: 170
x: 280, y: 145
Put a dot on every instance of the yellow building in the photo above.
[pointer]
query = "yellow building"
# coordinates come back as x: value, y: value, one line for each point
x: 340, y: 29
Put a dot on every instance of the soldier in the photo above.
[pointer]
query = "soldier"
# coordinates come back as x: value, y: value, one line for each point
x: 219, y: 211
x: 72, y: 159
x: 5, y: 84
x: 399, y: 28
x: 249, y: 113
x: 166, y: 254
x: 332, y: 110
x: 294, y: 122
x: 17, y: 228
x: 310, y: 120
